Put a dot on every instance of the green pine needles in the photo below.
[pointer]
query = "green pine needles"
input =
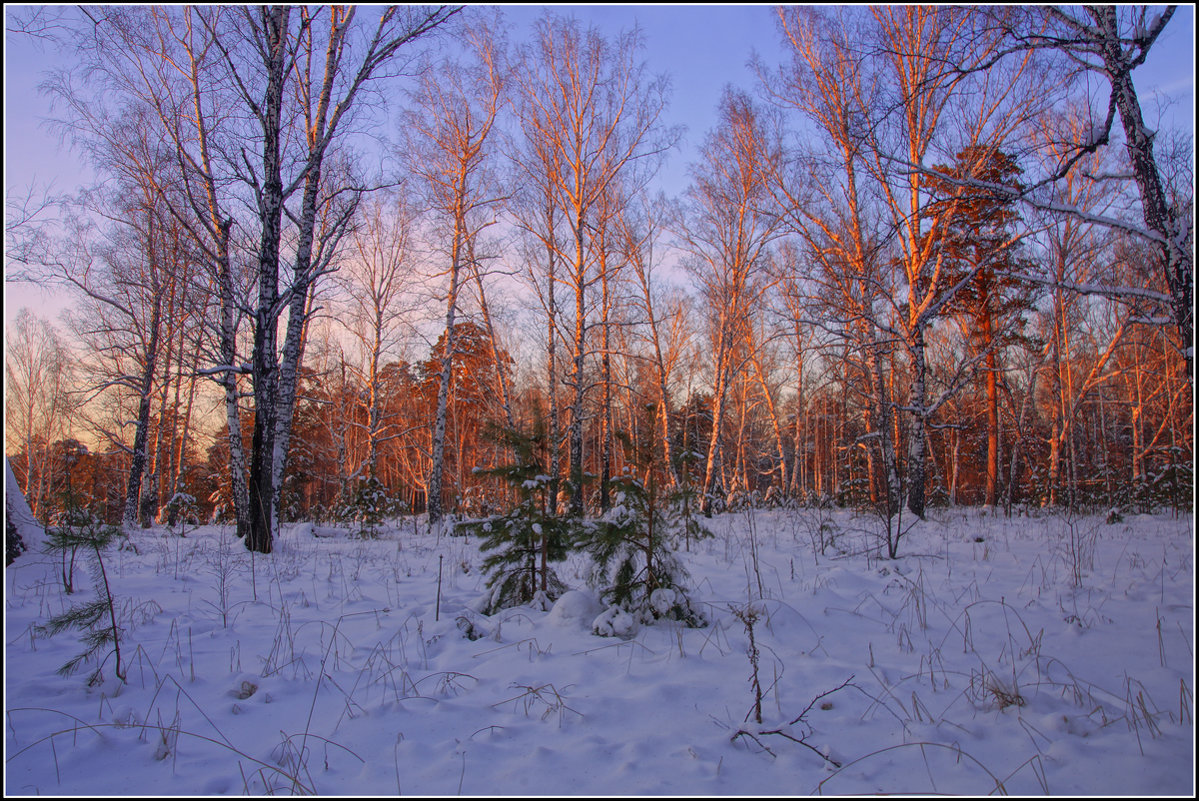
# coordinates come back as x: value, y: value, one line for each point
x: 367, y: 508
x: 633, y: 545
x: 686, y: 516
x: 632, y: 548
x: 80, y: 530
x: 521, y: 545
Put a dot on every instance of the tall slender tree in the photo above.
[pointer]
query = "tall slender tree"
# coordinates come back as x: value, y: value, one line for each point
x: 592, y: 114
x: 451, y: 122
x: 277, y: 51
x: 38, y: 371
x: 928, y: 56
x: 982, y: 240
x: 728, y: 230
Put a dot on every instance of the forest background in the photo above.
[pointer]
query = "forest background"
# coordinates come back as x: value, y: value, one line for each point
x: 920, y: 256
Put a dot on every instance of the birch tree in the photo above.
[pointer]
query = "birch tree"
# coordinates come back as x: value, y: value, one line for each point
x: 452, y: 120
x: 38, y: 372
x: 594, y: 114
x: 1070, y: 249
x: 823, y: 193
x: 325, y: 59
x: 536, y: 215
x: 1113, y: 42
x: 728, y: 231
x: 376, y: 278
x: 934, y: 100
x: 130, y: 261
x: 640, y: 235
x: 166, y: 63
x: 120, y: 317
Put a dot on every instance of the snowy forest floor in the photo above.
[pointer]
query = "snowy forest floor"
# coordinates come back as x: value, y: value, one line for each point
x: 972, y: 664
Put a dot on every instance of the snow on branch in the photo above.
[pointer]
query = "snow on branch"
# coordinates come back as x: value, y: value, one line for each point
x: 1117, y: 292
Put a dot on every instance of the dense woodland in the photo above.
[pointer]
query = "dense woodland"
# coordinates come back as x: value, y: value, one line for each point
x: 936, y: 257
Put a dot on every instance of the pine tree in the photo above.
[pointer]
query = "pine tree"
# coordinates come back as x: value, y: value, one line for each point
x: 97, y: 620
x: 980, y: 246
x: 633, y: 545
x: 366, y: 508
x: 521, y: 544
x: 686, y: 505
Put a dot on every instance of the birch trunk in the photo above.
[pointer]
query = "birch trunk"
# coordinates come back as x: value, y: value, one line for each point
x: 140, y: 456
x: 436, y: 473
x: 719, y: 390
x: 606, y: 381
x: 1160, y: 219
x: 917, y: 464
x: 775, y: 423
x: 265, y: 354
x: 579, y: 278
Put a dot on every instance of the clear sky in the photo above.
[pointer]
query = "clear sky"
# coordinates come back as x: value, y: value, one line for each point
x: 702, y: 48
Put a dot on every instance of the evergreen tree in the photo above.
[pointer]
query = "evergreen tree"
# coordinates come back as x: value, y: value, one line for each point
x: 685, y: 503
x: 981, y: 247
x: 367, y: 507
x: 633, y: 545
x: 521, y: 544
x: 82, y: 530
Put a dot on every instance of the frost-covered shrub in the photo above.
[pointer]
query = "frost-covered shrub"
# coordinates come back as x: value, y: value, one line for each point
x: 180, y: 512
x: 615, y: 622
x: 366, y: 508
x: 1164, y: 486
x: 853, y: 492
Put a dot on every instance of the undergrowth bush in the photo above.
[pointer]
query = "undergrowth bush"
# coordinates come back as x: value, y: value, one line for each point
x: 366, y: 508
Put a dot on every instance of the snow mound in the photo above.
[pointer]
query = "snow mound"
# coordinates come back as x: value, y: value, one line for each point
x: 663, y: 599
x: 615, y: 622
x: 576, y: 608
x: 17, y: 512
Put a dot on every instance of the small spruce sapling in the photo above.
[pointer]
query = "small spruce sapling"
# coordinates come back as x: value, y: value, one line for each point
x: 685, y: 518
x: 82, y: 530
x: 635, y: 565
x: 521, y: 544
x: 60, y: 539
x: 180, y: 513
x: 367, y: 508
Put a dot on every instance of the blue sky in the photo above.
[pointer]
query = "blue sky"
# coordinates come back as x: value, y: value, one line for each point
x: 701, y: 47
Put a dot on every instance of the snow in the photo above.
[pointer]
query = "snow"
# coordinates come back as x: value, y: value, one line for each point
x: 16, y: 510
x: 576, y: 608
x: 615, y: 622
x: 974, y: 665
x: 662, y: 600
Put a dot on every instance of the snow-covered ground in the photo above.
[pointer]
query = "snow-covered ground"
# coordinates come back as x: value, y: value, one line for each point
x: 970, y: 665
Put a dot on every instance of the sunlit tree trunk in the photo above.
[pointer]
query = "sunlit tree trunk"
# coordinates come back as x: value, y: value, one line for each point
x: 456, y: 108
